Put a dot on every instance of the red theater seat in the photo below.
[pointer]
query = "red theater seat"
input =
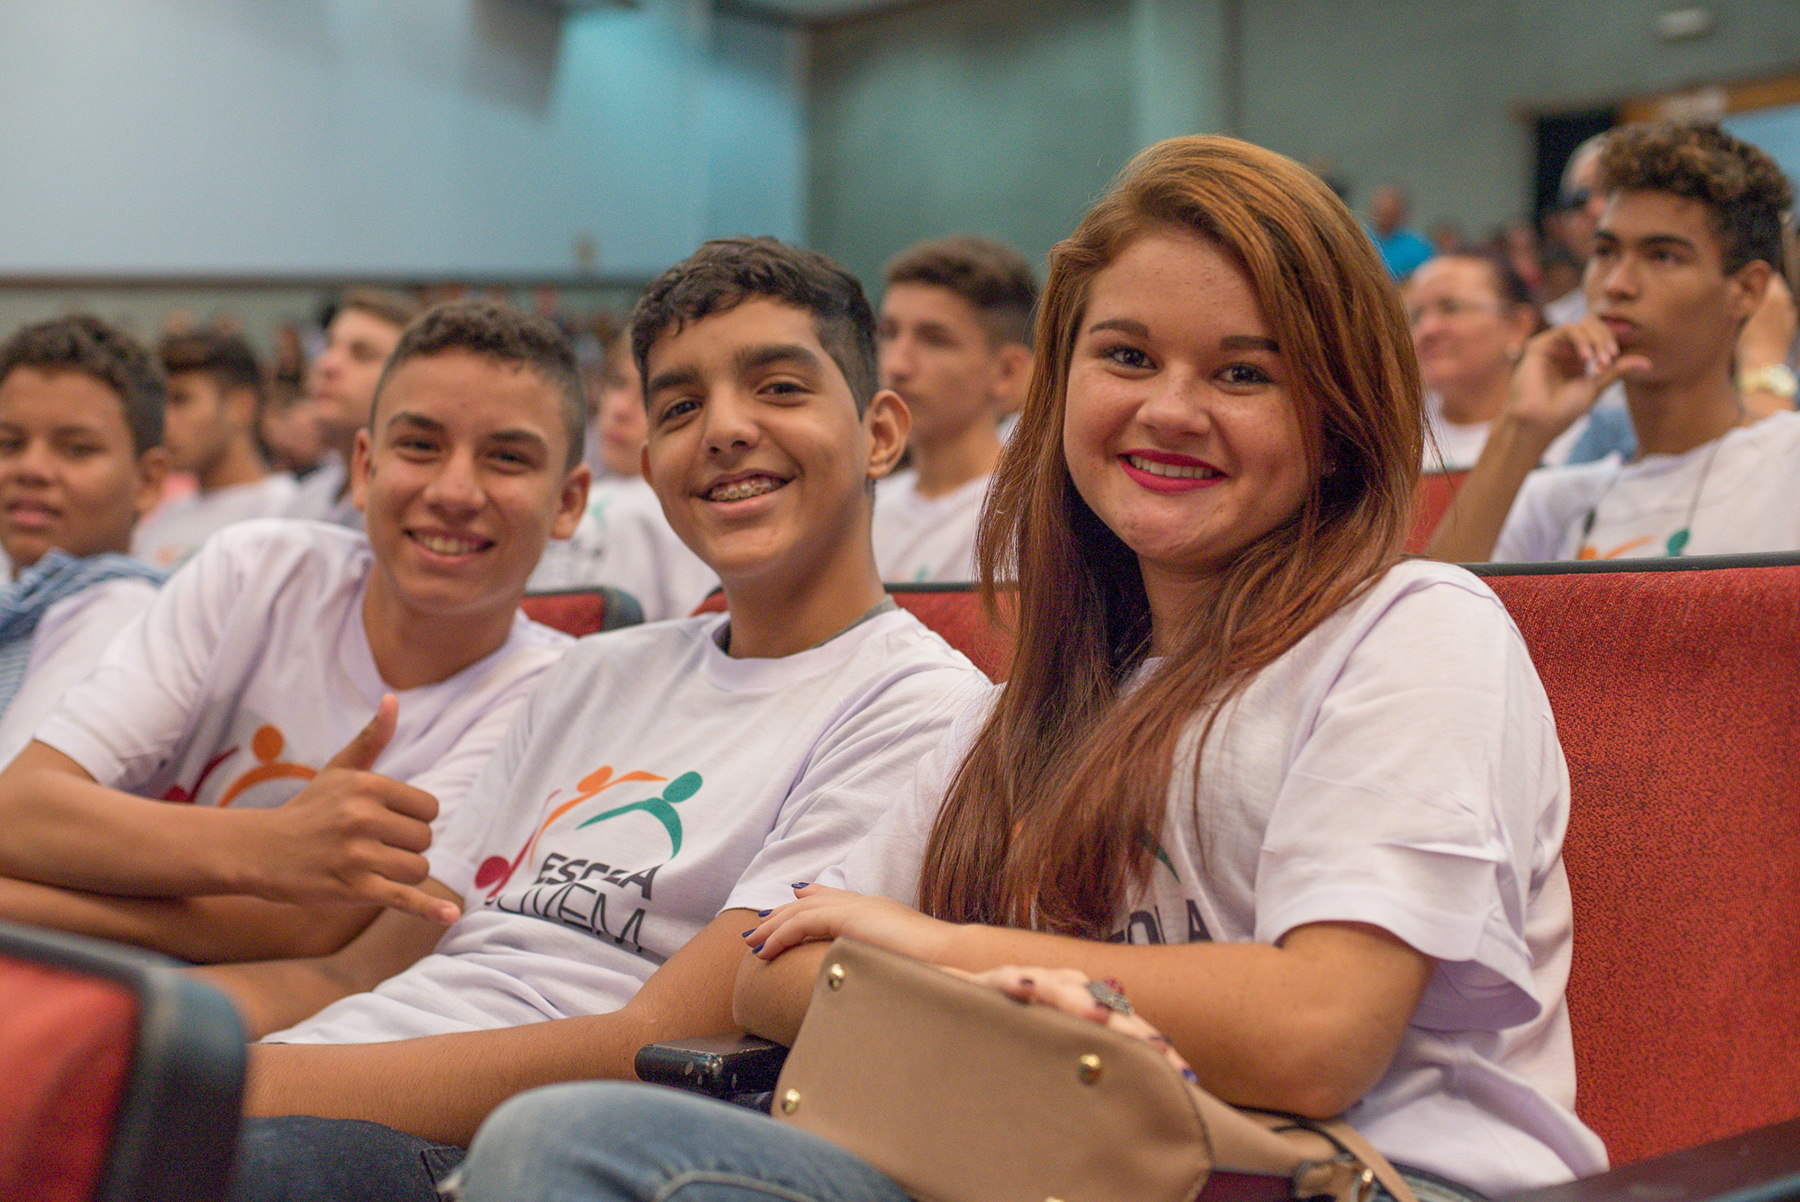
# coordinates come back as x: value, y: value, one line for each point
x: 584, y: 611
x: 123, y: 1075
x: 1431, y: 500
x: 953, y: 610
x: 1677, y: 698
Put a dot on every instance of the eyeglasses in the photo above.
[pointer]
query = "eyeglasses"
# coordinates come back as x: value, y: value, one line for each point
x: 1449, y: 308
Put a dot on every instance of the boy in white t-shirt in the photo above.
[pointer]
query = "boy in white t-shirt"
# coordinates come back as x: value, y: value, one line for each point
x: 81, y: 411
x: 209, y: 429
x: 1683, y: 258
x: 624, y: 540
x: 340, y: 388
x: 955, y: 343
x: 658, y: 775
x: 245, y: 691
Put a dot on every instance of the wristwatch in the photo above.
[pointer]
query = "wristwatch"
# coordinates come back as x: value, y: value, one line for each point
x: 1777, y: 378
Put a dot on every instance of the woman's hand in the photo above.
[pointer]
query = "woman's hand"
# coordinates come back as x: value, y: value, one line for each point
x: 822, y: 914
x: 1074, y: 992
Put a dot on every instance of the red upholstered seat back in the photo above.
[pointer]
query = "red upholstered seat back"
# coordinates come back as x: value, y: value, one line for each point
x: 66, y: 1043
x: 1431, y: 499
x: 581, y: 612
x: 1677, y: 699
x: 953, y: 610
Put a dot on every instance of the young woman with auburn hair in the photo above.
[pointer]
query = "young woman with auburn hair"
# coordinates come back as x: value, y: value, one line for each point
x: 1300, y: 798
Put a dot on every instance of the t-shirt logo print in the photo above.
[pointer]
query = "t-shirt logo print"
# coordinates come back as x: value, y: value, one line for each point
x: 497, y: 870
x: 661, y: 808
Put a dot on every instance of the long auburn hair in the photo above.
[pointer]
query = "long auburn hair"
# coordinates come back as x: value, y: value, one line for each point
x: 1056, y: 814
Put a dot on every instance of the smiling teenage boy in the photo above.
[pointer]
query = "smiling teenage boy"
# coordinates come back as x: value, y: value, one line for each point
x: 717, y: 757
x: 955, y: 343
x: 1687, y: 244
x: 81, y: 408
x: 242, y: 694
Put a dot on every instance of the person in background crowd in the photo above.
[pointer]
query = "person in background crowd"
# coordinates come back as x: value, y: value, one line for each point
x: 209, y: 429
x: 1402, y: 249
x: 955, y: 342
x: 624, y: 540
x: 1470, y: 316
x: 341, y: 388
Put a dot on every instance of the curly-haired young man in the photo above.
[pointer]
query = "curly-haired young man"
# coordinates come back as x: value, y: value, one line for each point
x: 1687, y: 249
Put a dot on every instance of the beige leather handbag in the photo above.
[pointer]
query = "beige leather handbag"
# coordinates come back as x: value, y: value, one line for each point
x: 961, y: 1094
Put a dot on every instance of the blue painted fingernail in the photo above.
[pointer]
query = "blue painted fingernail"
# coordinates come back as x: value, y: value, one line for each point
x: 1190, y: 1075
x: 748, y: 933
x: 755, y: 950
x: 764, y: 913
x: 801, y: 884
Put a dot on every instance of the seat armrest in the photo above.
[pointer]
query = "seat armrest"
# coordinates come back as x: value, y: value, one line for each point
x: 1757, y: 1166
x: 720, y: 1066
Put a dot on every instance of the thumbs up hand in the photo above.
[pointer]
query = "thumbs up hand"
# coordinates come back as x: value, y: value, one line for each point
x: 351, y: 835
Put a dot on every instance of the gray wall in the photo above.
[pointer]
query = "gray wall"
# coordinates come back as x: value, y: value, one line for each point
x: 1007, y: 116
x: 429, y: 137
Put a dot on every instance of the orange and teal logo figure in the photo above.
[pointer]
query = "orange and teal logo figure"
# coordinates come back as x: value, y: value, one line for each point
x: 661, y: 808
x: 496, y: 871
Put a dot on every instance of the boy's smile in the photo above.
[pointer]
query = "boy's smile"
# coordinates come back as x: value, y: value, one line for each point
x: 69, y: 476
x: 756, y: 449
x: 461, y: 481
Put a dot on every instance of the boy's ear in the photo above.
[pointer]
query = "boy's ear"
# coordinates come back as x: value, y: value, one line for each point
x: 360, y: 467
x: 1748, y: 285
x: 887, y: 423
x: 1013, y: 376
x: 153, y: 467
x: 573, y: 501
x: 644, y: 464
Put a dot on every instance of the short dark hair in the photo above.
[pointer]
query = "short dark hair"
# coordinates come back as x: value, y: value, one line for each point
x: 227, y: 358
x: 501, y: 334
x: 1744, y: 192
x: 93, y: 347
x: 724, y: 273
x: 990, y: 275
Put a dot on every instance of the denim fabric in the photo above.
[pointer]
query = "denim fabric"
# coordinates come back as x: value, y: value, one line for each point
x: 611, y: 1140
x: 298, y: 1158
x: 614, y: 1142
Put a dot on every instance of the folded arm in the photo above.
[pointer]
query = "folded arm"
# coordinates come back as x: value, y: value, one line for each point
x: 273, y: 994
x: 442, y: 1086
x: 351, y: 835
x: 203, y: 930
x: 1306, y: 1026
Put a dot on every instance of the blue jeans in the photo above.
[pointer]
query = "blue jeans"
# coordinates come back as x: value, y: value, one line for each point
x: 604, y: 1140
x: 298, y: 1158
x: 617, y: 1142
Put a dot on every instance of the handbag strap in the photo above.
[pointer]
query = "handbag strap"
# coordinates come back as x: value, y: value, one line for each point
x: 1351, y: 1140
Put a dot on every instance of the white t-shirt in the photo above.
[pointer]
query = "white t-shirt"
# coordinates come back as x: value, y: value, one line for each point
x: 322, y: 495
x: 625, y: 541
x: 1733, y: 495
x: 252, y: 669
x: 70, y: 639
x: 178, y: 527
x: 1451, y: 446
x: 1398, y: 767
x: 919, y: 538
x: 651, y: 783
